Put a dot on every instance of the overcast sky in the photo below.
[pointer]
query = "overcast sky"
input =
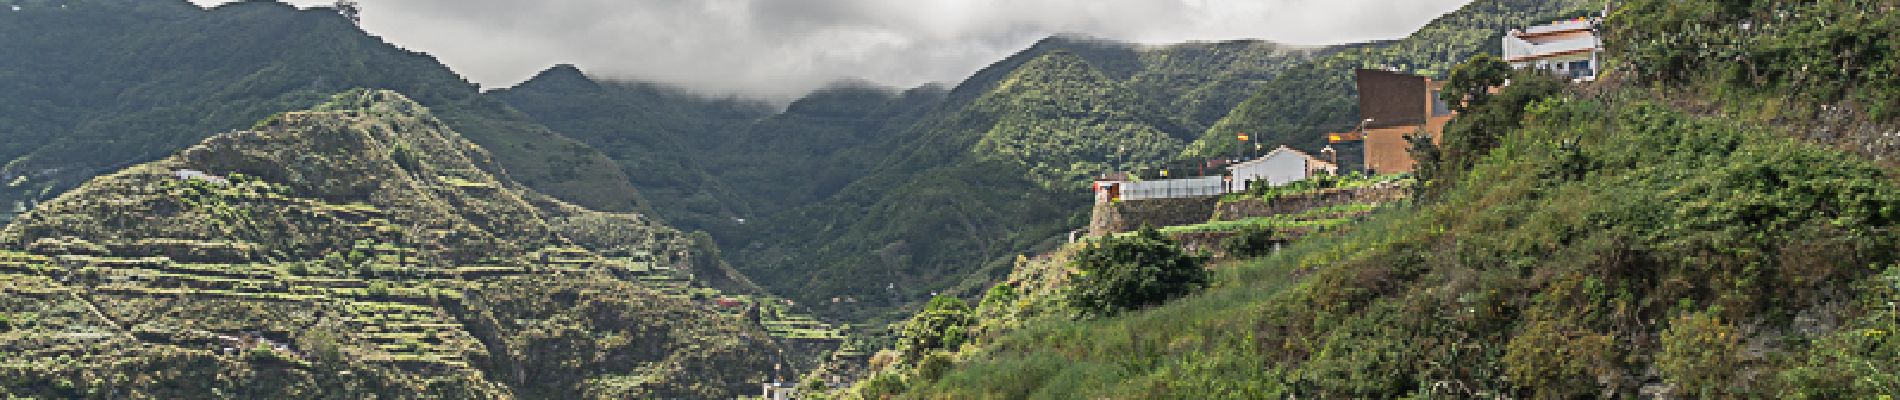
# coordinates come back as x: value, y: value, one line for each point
x: 779, y: 49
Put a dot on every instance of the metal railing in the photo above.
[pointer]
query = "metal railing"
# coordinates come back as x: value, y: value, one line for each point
x: 1173, y: 188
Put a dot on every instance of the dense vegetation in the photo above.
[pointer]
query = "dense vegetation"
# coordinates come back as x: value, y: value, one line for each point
x: 1806, y: 54
x: 1122, y: 273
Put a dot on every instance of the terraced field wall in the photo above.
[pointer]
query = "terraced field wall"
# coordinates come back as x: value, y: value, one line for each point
x: 1128, y: 215
x: 1301, y: 202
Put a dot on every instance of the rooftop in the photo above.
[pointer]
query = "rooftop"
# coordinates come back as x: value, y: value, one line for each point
x: 1560, y: 26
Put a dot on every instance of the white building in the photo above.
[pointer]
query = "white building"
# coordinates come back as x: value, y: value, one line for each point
x: 780, y: 391
x: 192, y: 174
x: 1570, y: 48
x: 1281, y: 166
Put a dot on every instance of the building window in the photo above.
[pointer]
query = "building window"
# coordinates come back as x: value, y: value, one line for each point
x: 1439, y: 107
x: 1579, y: 69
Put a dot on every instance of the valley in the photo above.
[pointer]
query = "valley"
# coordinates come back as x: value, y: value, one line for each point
x: 256, y: 200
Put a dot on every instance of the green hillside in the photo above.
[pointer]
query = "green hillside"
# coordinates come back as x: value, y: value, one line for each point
x: 658, y: 136
x: 997, y: 168
x: 706, y: 164
x: 363, y: 247
x: 1611, y: 239
x: 906, y: 186
x: 111, y: 83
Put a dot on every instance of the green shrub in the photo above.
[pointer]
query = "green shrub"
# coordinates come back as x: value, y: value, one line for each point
x: 405, y: 157
x: 881, y: 385
x: 1700, y: 355
x: 1252, y: 241
x: 998, y: 296
x: 1121, y: 273
x: 933, y: 366
x: 263, y: 353
x: 943, y: 325
x: 377, y: 289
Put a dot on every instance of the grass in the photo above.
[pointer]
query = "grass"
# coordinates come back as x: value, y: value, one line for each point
x: 1603, y: 241
x: 1141, y: 354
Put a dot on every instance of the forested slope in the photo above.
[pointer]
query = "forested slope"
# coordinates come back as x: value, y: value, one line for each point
x: 110, y: 83
x: 913, y: 187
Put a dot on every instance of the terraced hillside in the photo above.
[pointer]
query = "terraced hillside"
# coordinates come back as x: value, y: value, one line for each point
x: 362, y: 247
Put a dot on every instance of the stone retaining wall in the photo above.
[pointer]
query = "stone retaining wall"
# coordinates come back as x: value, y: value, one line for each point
x: 1129, y: 215
x: 1255, y: 208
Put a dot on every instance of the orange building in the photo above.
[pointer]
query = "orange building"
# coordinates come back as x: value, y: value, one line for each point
x: 1392, y: 106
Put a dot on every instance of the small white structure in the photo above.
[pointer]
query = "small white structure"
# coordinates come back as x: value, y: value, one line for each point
x: 192, y: 174
x: 1281, y: 166
x: 780, y: 391
x: 1569, y: 48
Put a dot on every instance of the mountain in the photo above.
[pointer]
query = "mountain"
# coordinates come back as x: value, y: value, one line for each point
x: 112, y: 83
x: 708, y: 164
x: 361, y: 247
x: 918, y: 187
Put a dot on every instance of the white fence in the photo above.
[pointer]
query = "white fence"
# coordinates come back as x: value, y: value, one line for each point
x: 1173, y: 188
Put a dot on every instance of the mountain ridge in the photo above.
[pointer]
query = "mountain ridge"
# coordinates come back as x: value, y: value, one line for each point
x: 414, y: 259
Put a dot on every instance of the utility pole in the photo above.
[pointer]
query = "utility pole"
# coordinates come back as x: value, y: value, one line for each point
x: 1365, y: 165
x: 1239, y: 151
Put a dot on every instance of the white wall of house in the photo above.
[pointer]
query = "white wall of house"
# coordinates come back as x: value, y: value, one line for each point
x: 1278, y: 168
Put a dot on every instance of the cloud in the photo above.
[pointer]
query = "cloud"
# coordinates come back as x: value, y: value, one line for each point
x: 779, y: 49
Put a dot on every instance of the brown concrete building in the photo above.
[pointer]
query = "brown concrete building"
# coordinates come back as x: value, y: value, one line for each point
x: 1394, y: 105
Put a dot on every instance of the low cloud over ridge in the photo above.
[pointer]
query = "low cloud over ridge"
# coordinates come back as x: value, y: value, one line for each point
x: 780, y: 49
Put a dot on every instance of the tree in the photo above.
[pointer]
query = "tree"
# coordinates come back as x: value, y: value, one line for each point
x: 1471, y: 82
x: 349, y: 9
x: 943, y: 325
x: 1124, y: 273
x: 1482, y: 122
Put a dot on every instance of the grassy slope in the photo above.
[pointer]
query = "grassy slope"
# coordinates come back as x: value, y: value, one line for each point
x: 1673, y: 244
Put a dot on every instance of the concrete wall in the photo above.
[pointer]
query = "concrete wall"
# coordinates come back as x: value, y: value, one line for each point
x: 1392, y: 98
x: 1129, y: 215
